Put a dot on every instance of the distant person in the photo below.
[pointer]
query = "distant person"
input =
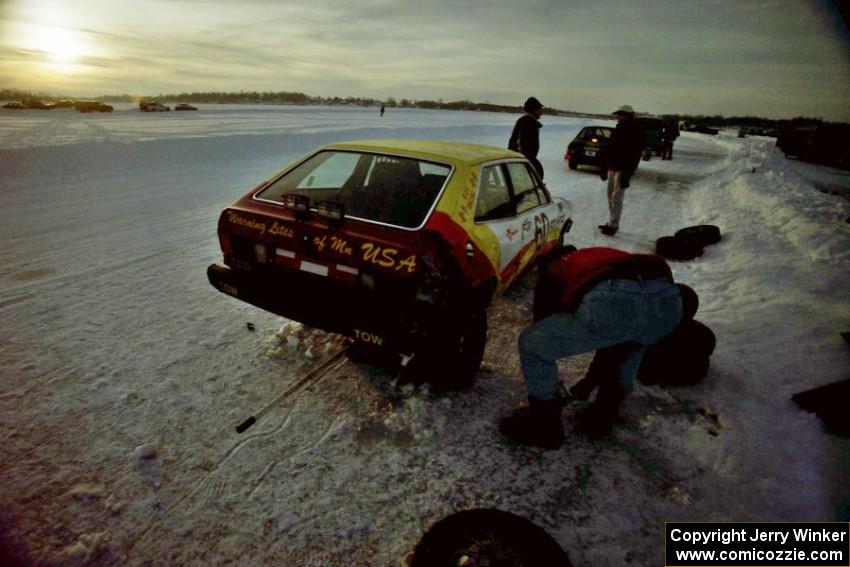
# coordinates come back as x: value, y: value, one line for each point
x: 592, y: 299
x: 622, y: 155
x: 669, y: 135
x: 525, y: 137
x: 382, y: 109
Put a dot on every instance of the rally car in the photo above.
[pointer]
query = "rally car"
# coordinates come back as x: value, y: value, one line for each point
x: 397, y: 244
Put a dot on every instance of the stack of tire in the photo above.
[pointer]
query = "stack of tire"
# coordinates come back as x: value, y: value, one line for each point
x: 680, y: 358
x: 687, y: 243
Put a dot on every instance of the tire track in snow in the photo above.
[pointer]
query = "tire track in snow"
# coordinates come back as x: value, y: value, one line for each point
x: 212, y: 488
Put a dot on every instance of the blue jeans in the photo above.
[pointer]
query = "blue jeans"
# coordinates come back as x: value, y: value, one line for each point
x: 635, y: 312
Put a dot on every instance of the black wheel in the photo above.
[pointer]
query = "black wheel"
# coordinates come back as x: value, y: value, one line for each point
x: 681, y: 358
x: 488, y: 537
x: 573, y: 164
x: 450, y: 358
x: 703, y: 234
x: 676, y: 248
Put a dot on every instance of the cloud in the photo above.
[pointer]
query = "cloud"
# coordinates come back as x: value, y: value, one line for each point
x: 581, y: 55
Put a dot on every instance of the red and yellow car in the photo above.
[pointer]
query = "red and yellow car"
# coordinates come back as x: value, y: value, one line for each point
x: 400, y: 244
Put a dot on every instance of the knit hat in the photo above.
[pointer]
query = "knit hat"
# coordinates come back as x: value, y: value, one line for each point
x: 625, y: 109
x: 532, y: 104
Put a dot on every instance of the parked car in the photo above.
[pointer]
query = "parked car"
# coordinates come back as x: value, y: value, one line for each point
x: 152, y: 106
x: 653, y: 130
x: 37, y: 104
x: 184, y: 106
x: 397, y: 244
x: 828, y: 144
x: 700, y: 128
x: 15, y: 106
x: 588, y: 145
x: 91, y: 106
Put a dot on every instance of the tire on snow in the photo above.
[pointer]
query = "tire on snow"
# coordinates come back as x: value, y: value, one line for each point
x: 450, y: 359
x: 703, y: 234
x: 677, y: 248
x: 488, y: 537
x: 681, y: 358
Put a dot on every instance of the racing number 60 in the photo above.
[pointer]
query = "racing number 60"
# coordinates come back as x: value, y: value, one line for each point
x: 541, y: 228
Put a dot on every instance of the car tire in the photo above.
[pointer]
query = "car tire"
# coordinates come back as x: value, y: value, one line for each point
x: 573, y: 164
x: 450, y: 359
x: 681, y: 358
x: 487, y: 537
x: 703, y: 234
x: 676, y: 248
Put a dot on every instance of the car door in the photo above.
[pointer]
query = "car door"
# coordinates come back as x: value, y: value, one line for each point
x: 498, y: 230
x: 534, y: 209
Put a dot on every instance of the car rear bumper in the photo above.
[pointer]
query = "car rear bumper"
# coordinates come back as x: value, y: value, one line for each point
x: 320, y: 302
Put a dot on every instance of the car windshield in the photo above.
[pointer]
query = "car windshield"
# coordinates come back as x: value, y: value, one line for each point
x: 375, y: 187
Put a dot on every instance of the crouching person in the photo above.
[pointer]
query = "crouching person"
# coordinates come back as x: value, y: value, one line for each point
x: 594, y: 298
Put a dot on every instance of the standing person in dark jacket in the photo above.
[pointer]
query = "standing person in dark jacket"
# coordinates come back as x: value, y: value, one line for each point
x: 594, y: 298
x: 671, y: 132
x: 525, y: 137
x: 623, y: 156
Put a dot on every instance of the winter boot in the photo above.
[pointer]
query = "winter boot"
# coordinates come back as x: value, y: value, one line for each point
x: 597, y: 421
x: 539, y: 424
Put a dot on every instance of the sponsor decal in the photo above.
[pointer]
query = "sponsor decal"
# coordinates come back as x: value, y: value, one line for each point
x: 510, y: 233
x: 239, y: 220
x: 387, y: 257
x: 368, y: 338
x: 466, y: 208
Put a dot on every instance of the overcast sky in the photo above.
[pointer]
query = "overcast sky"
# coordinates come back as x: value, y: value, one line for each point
x: 773, y: 58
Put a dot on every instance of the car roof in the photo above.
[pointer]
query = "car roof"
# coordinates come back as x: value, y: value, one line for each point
x: 435, y: 150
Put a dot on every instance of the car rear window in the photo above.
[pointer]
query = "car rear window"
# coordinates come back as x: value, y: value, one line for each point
x: 375, y: 187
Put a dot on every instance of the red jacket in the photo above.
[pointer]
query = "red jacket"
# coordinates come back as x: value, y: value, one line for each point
x: 563, y: 285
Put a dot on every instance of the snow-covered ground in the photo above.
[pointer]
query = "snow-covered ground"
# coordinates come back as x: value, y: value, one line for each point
x: 124, y: 372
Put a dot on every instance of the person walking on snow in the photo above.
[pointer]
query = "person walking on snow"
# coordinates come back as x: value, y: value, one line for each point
x: 594, y: 298
x: 525, y: 137
x: 622, y: 156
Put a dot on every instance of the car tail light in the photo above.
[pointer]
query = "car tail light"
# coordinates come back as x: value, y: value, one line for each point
x: 261, y: 252
x: 569, y: 155
x: 298, y: 203
x: 330, y: 209
x: 594, y: 140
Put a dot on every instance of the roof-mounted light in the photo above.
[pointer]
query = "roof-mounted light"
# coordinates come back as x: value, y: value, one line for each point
x: 297, y: 203
x: 330, y: 209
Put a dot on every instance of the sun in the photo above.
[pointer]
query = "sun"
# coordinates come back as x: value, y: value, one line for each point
x: 61, y: 46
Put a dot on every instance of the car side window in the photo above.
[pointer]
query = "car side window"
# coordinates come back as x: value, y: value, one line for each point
x: 527, y: 189
x: 494, y: 198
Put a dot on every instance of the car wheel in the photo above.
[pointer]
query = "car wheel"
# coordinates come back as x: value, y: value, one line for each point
x: 573, y: 164
x: 676, y: 248
x: 487, y: 537
x: 449, y: 360
x: 703, y: 234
